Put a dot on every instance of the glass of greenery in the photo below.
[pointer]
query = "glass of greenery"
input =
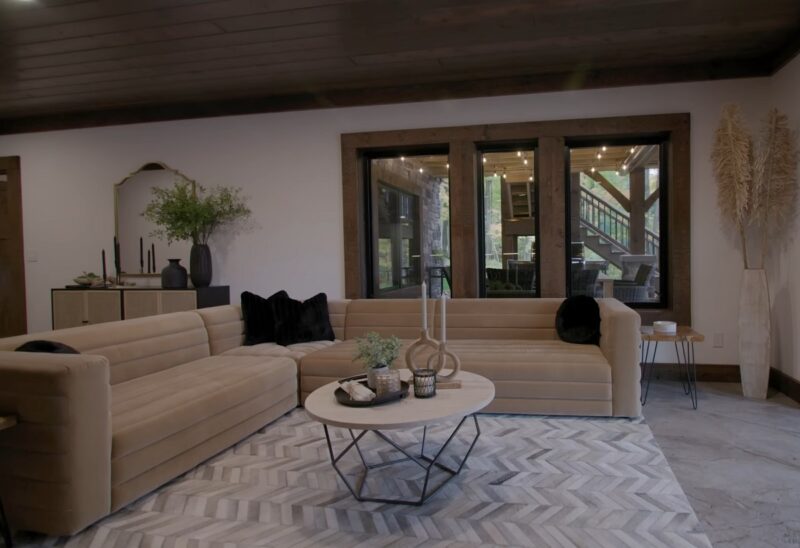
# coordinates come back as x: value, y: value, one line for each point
x: 376, y: 353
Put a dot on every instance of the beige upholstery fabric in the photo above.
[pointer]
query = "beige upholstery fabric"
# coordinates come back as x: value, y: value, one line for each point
x: 159, y: 417
x: 55, y: 463
x: 620, y: 341
x: 226, y: 327
x: 128, y: 491
x: 134, y: 347
x: 525, y: 370
x: 399, y: 317
x: 264, y: 349
x: 517, y: 319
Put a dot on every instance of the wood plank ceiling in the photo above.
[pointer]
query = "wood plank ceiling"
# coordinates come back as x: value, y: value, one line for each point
x: 72, y: 63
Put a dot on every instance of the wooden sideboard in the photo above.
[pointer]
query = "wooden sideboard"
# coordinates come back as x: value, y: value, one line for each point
x: 76, y: 306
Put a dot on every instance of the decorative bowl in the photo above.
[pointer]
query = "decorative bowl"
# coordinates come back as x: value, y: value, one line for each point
x: 665, y: 327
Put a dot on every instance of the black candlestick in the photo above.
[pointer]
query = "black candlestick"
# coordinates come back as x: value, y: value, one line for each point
x: 141, y: 255
x: 104, y: 267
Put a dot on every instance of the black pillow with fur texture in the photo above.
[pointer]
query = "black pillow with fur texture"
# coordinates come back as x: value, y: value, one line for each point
x: 259, y: 317
x: 50, y: 347
x: 297, y: 322
x: 578, y: 320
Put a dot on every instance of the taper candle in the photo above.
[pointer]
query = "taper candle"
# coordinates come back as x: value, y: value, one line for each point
x: 103, y: 254
x: 424, y: 306
x: 148, y: 261
x: 141, y: 255
x: 116, y: 255
x: 444, y: 317
x: 153, y: 253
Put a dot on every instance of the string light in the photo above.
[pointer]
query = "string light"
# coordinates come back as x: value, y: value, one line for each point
x: 420, y: 170
x: 633, y: 149
x: 604, y: 148
x: 495, y: 174
x: 484, y: 160
x: 592, y: 169
x: 624, y: 167
x: 530, y: 178
x: 448, y: 166
x: 525, y: 162
x: 599, y: 156
x: 402, y: 158
x: 519, y: 154
x: 504, y: 176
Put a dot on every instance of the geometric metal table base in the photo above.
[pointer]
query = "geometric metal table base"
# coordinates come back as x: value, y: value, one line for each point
x: 687, y: 368
x: 422, y: 460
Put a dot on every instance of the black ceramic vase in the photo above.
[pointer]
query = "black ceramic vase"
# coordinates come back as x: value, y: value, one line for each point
x: 200, y: 265
x: 173, y: 276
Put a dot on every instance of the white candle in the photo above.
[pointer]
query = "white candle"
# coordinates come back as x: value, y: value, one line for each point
x: 424, y: 306
x: 444, y: 317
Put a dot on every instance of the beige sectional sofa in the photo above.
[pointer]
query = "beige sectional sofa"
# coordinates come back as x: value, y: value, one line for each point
x: 149, y: 399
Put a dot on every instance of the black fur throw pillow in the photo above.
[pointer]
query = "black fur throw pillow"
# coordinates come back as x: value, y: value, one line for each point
x: 259, y: 317
x: 578, y: 320
x: 51, y: 347
x: 298, y: 322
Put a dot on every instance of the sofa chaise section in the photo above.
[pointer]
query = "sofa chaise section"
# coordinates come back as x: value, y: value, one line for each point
x: 146, y: 401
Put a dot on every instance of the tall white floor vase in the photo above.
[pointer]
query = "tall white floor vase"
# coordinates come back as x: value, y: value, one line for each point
x: 754, y: 333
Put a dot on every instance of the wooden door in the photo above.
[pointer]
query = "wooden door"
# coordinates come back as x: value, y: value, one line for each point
x: 13, y: 319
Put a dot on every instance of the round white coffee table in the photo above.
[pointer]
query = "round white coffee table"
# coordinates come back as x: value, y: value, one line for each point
x: 451, y: 404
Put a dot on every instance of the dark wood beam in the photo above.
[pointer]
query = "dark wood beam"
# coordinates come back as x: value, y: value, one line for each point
x: 650, y: 200
x: 611, y: 189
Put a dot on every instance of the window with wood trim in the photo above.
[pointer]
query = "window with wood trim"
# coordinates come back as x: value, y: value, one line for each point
x: 664, y: 209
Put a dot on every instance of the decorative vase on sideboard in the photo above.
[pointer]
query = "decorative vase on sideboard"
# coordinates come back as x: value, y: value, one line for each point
x: 200, y: 265
x: 754, y: 333
x: 173, y: 276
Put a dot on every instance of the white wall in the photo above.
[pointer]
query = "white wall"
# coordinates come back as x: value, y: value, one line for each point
x: 289, y: 165
x: 784, y: 265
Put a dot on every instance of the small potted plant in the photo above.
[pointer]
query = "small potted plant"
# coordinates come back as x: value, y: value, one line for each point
x: 188, y: 211
x: 377, y: 354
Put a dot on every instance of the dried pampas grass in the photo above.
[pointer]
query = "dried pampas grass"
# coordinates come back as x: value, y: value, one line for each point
x: 774, y: 178
x: 732, y: 157
x: 756, y: 188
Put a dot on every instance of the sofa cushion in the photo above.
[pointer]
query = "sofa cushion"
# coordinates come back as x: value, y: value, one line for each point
x: 498, y: 319
x: 519, y: 368
x: 149, y: 409
x: 259, y: 317
x: 134, y: 347
x: 578, y: 320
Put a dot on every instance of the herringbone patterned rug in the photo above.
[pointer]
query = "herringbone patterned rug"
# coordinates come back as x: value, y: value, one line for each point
x: 530, y: 481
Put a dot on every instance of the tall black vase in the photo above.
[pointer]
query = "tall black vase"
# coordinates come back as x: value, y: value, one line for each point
x: 173, y: 276
x: 200, y: 265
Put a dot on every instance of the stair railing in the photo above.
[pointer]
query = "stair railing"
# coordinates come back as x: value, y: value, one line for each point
x: 612, y: 223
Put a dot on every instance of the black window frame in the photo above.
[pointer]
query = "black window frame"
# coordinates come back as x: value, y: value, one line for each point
x: 510, y: 146
x: 366, y: 157
x: 664, y: 187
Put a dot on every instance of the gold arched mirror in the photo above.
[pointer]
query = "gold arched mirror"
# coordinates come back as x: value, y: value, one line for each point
x: 131, y: 196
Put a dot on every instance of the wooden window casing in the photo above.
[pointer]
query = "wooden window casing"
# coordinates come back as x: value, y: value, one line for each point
x: 464, y: 142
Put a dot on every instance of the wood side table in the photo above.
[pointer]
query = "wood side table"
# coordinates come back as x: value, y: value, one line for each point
x: 6, y: 422
x: 683, y: 339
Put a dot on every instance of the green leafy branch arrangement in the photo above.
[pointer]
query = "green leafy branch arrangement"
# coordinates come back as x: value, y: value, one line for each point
x: 188, y: 211
x: 375, y: 351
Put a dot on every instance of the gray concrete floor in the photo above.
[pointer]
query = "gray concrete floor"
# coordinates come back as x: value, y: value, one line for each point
x: 738, y: 460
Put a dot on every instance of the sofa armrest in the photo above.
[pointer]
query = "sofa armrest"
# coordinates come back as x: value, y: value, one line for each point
x: 620, y: 341
x: 55, y: 464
